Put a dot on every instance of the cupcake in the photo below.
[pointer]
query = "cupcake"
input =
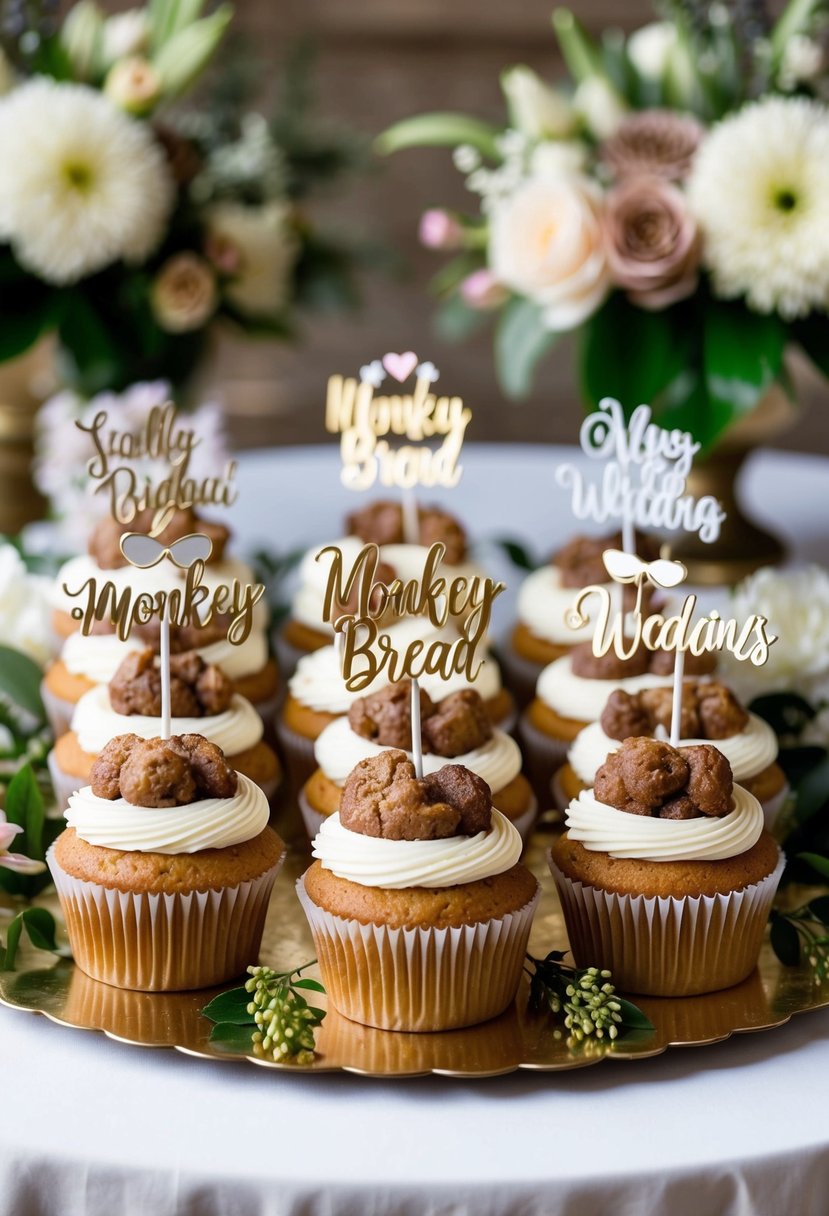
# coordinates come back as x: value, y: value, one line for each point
x: 166, y: 867
x: 317, y: 694
x: 541, y: 633
x: 380, y: 523
x: 202, y: 702
x: 572, y: 692
x: 456, y: 728
x: 87, y: 661
x: 419, y: 907
x: 710, y: 714
x: 666, y: 874
x: 105, y: 562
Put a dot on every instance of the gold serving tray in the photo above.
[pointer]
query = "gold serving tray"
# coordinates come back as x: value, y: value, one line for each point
x: 518, y: 1039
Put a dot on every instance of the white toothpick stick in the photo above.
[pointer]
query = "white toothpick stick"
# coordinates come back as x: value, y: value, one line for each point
x: 628, y: 534
x: 411, y: 523
x: 164, y: 659
x: 339, y: 648
x: 417, y: 742
x: 676, y: 705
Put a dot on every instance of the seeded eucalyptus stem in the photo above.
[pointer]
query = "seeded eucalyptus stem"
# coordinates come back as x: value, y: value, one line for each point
x: 585, y: 997
x: 285, y: 1023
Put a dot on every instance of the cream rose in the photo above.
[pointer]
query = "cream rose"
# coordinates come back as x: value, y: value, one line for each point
x: 546, y: 243
x: 264, y: 245
x: 184, y: 294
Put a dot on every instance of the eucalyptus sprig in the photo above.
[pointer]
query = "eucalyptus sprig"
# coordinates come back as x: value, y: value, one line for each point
x: 269, y: 1015
x: 584, y: 997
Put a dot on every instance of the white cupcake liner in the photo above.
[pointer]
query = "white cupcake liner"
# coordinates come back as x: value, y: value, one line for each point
x: 59, y: 711
x: 419, y: 979
x: 544, y: 754
x: 661, y: 946
x: 163, y: 943
x: 520, y: 674
x: 298, y: 752
x: 773, y: 806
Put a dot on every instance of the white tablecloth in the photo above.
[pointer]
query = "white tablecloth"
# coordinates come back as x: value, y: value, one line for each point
x: 89, y: 1127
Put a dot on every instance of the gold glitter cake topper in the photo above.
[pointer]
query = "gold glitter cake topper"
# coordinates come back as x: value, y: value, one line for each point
x: 366, y: 420
x: 190, y: 601
x: 644, y: 485
x: 366, y: 651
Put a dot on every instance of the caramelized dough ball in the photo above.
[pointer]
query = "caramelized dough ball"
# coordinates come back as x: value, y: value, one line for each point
x: 156, y: 774
x: 106, y: 770
x: 459, y: 724
x: 213, y: 775
x: 624, y: 716
x: 607, y: 666
x: 711, y: 782
x: 385, y: 716
x: 383, y: 797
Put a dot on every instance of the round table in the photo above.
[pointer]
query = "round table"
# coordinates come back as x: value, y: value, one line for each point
x: 91, y: 1126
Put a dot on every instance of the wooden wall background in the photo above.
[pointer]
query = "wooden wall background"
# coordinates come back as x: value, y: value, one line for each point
x: 378, y: 61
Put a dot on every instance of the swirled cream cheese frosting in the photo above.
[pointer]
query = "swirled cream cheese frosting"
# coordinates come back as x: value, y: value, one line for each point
x: 373, y: 861
x: 748, y: 752
x: 164, y: 576
x: 604, y: 829
x: 407, y: 561
x: 543, y: 604
x: 97, y: 657
x: 576, y: 697
x: 211, y: 823
x: 95, y: 722
x: 338, y: 749
x: 318, y: 683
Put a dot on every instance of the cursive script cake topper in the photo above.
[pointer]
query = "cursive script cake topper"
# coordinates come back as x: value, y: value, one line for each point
x: 366, y: 421
x: 191, y: 601
x: 163, y: 439
x: 366, y: 652
x: 680, y: 631
x: 643, y: 480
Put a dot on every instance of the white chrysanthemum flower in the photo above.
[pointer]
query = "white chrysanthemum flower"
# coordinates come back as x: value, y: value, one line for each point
x: 796, y: 605
x: 24, y: 609
x: 83, y: 184
x: 759, y: 188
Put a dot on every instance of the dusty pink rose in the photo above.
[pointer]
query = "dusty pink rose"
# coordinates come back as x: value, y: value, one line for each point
x: 651, y: 241
x: 482, y: 291
x: 440, y: 230
x: 657, y: 142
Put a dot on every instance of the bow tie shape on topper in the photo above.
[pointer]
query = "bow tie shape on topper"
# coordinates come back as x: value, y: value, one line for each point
x: 184, y: 601
x: 398, y: 438
x: 657, y: 499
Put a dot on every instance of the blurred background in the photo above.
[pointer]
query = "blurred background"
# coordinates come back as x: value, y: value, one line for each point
x: 377, y: 62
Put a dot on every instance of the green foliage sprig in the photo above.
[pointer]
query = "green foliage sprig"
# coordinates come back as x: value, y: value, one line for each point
x: 269, y: 1017
x: 24, y: 806
x: 39, y: 925
x: 803, y: 933
x: 584, y: 998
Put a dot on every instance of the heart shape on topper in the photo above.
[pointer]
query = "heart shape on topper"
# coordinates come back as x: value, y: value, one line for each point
x: 400, y: 366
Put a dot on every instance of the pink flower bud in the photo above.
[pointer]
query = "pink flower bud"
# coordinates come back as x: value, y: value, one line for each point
x: 440, y: 230
x: 482, y: 291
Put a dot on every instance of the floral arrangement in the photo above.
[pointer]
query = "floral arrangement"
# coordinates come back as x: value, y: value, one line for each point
x: 670, y: 207
x: 130, y: 224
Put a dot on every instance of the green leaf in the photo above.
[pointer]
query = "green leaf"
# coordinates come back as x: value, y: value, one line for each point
x: 797, y: 17
x: 229, y: 1007
x: 454, y: 321
x: 184, y: 56
x: 312, y: 985
x: 518, y: 555
x: 813, y: 792
x: 167, y: 17
x: 640, y: 357
x: 786, y: 712
x: 24, y: 807
x: 812, y: 333
x: 40, y: 926
x: 439, y: 130
x: 580, y: 52
x: 9, y: 954
x: 235, y: 1038
x: 819, y: 909
x: 20, y: 680
x: 821, y: 864
x: 785, y: 940
x: 632, y: 1016
x: 521, y: 339
x: 742, y: 357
